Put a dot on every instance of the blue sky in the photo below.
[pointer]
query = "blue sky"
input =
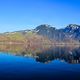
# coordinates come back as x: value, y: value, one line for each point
x: 27, y: 14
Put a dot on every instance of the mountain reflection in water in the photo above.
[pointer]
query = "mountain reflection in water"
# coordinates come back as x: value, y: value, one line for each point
x: 60, y: 53
x: 67, y: 54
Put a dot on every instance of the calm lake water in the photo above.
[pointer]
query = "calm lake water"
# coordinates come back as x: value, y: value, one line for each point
x: 57, y: 63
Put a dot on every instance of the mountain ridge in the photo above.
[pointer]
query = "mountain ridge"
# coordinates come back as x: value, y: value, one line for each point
x: 69, y: 33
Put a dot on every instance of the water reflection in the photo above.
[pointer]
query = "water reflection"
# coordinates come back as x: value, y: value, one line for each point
x: 69, y: 54
x: 64, y: 54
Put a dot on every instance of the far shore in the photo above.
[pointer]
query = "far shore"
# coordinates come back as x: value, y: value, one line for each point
x: 52, y: 44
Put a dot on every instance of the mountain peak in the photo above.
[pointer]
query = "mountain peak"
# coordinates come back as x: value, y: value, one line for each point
x: 73, y: 26
x: 44, y: 27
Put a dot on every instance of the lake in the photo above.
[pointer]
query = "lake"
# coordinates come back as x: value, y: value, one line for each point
x: 55, y: 63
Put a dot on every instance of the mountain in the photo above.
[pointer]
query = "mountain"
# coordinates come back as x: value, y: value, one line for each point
x: 44, y: 33
x: 71, y: 32
x: 51, y: 32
